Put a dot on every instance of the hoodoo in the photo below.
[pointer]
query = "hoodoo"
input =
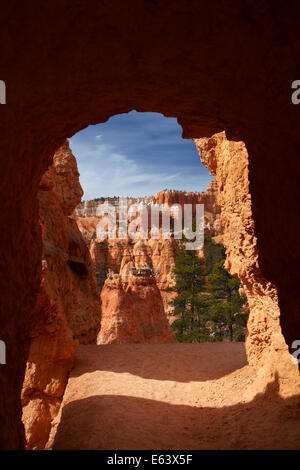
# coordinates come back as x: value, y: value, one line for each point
x: 132, y: 308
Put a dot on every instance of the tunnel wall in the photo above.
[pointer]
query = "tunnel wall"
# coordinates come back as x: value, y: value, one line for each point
x: 219, y: 65
x: 266, y: 348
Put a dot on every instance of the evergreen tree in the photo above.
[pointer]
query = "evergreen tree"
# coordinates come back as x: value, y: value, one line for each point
x: 227, y: 309
x: 208, y: 304
x: 213, y: 252
x: 189, y: 304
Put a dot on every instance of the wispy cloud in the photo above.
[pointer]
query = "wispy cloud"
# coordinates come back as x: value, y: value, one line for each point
x: 136, y: 154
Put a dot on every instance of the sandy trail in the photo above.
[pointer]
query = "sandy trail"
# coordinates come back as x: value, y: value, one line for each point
x: 171, y: 396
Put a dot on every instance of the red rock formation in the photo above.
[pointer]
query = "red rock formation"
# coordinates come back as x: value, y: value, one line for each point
x: 87, y: 226
x: 163, y: 257
x: 86, y: 213
x: 107, y: 254
x: 214, y: 65
x: 50, y: 360
x: 133, y: 312
x: 88, y: 209
x: 67, y: 307
x: 159, y: 253
x: 170, y: 197
x: 265, y: 345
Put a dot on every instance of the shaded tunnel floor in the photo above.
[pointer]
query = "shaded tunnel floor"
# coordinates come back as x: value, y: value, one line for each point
x: 172, y: 396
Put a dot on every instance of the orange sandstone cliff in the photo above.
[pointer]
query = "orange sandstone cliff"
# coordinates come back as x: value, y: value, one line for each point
x: 265, y: 344
x: 67, y: 310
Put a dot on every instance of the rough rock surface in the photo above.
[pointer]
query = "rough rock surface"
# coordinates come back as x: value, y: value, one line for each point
x: 87, y: 209
x: 67, y: 307
x: 170, y: 197
x: 132, y: 310
x: 265, y: 344
x: 163, y: 258
x: 214, y: 65
x: 159, y: 253
x: 86, y: 212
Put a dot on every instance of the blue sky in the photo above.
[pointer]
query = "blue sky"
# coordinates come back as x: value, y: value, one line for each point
x: 137, y: 154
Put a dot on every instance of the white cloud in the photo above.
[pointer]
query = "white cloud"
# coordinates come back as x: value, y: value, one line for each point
x: 136, y: 154
x: 104, y: 171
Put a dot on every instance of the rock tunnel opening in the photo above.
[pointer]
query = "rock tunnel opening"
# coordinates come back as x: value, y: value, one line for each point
x: 58, y: 326
x: 213, y: 65
x: 136, y: 155
x: 228, y: 163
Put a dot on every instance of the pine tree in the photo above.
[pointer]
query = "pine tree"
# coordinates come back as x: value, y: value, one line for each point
x: 227, y: 310
x: 213, y: 252
x: 208, y: 304
x: 189, y: 304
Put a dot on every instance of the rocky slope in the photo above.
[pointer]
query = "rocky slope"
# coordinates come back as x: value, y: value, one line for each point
x: 67, y: 310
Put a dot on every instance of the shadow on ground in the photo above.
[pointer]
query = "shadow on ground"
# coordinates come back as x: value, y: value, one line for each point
x: 175, y: 361
x: 122, y: 422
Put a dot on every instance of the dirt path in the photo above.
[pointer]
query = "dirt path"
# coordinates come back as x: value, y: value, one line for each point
x: 171, y: 396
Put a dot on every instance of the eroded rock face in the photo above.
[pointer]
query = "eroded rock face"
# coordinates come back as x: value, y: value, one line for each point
x: 87, y: 219
x: 133, y: 311
x: 158, y: 253
x: 208, y: 198
x: 134, y: 306
x: 68, y: 261
x: 50, y: 360
x: 67, y: 309
x: 265, y: 344
x: 163, y: 258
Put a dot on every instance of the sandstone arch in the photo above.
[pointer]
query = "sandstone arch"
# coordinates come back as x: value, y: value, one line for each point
x: 215, y: 66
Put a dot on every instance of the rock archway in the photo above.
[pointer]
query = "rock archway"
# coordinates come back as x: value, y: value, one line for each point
x: 215, y: 66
